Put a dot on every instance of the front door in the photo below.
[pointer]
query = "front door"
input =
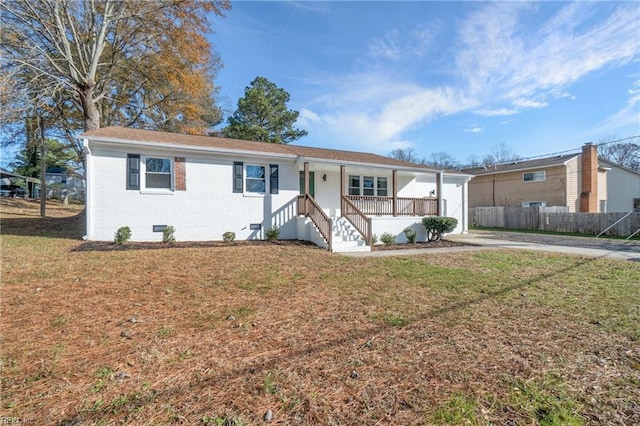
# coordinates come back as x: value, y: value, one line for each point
x: 312, y: 183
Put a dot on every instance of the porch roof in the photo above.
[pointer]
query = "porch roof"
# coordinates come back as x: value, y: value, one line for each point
x: 332, y: 157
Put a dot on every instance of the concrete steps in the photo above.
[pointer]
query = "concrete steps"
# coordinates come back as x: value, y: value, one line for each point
x: 346, y: 238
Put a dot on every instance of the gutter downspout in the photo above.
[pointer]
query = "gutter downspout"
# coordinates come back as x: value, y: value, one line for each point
x: 89, y: 189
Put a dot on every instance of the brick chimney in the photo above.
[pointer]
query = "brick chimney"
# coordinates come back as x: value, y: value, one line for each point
x: 589, y: 195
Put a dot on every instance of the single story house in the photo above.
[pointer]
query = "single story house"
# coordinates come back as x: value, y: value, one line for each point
x: 576, y: 181
x: 205, y: 186
x: 623, y: 188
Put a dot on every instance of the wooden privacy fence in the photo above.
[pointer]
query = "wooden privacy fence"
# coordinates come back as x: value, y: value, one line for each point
x: 555, y: 219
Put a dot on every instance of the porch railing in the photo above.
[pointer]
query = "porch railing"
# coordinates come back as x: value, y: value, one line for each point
x: 307, y: 206
x: 357, y: 218
x: 405, y: 206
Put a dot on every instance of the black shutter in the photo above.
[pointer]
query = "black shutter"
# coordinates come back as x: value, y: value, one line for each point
x: 273, y: 178
x: 237, y: 176
x: 133, y: 171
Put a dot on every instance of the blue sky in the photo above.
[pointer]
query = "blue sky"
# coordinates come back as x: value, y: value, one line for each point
x: 458, y: 77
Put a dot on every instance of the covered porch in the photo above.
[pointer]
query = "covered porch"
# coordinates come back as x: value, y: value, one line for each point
x: 363, y: 197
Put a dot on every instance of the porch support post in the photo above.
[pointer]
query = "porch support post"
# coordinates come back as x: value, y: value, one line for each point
x: 394, y: 186
x: 343, y: 179
x: 439, y: 181
x: 306, y: 178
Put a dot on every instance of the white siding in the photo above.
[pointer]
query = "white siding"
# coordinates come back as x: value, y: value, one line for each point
x: 622, y: 187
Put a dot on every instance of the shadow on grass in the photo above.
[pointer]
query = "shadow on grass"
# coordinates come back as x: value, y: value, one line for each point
x: 72, y: 228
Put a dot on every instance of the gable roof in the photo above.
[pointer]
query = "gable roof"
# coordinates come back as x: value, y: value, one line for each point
x: 514, y: 166
x: 157, y: 138
x: 612, y: 164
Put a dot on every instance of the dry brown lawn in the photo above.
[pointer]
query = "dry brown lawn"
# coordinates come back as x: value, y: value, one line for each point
x: 208, y: 335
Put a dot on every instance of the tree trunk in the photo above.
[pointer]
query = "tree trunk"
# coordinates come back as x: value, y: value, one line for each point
x: 90, y: 109
x: 43, y: 170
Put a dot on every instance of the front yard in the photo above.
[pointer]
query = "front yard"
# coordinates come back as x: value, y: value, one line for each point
x: 197, y: 335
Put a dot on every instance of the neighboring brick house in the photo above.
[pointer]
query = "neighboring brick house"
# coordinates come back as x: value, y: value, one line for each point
x: 575, y: 180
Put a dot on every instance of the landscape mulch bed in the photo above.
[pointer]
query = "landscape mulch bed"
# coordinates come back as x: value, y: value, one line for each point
x: 422, y: 245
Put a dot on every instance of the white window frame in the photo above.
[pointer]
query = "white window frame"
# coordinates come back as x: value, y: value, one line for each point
x: 537, y: 176
x: 360, y: 189
x: 264, y: 178
x: 386, y: 186
x: 171, y: 174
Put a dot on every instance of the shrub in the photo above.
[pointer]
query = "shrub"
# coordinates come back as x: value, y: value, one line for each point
x: 411, y: 235
x: 123, y: 234
x: 272, y: 233
x: 374, y: 239
x: 387, y: 239
x: 229, y: 237
x: 168, y: 236
x: 438, y: 225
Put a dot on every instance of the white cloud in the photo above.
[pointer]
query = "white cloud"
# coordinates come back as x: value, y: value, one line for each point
x: 396, y: 45
x: 629, y: 115
x: 373, y: 112
x: 529, y: 103
x: 496, y: 112
x: 499, y: 60
x: 474, y: 130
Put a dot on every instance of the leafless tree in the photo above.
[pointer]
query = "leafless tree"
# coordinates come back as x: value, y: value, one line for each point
x: 624, y: 153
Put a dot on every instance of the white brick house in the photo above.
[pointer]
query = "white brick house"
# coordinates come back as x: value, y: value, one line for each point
x: 204, y: 186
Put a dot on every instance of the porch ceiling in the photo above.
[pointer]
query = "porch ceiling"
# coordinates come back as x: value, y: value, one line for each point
x: 363, y: 169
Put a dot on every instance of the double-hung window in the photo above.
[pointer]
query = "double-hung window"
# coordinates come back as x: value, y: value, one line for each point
x: 354, y: 185
x: 255, y: 179
x: 368, y: 185
x: 158, y: 173
x: 534, y: 176
x: 382, y: 187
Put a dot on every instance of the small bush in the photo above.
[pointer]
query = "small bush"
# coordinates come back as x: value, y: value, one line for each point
x: 272, y: 233
x: 374, y: 239
x: 123, y: 234
x: 168, y: 236
x: 229, y: 237
x: 387, y: 239
x: 411, y: 235
x: 439, y: 225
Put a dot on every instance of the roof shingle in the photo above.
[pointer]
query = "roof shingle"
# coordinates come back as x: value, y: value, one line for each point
x: 123, y: 134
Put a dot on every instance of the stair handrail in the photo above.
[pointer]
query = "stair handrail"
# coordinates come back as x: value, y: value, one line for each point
x: 363, y: 225
x: 319, y: 218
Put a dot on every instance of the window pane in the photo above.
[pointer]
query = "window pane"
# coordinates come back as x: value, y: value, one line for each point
x: 354, y: 185
x: 158, y: 180
x: 158, y: 173
x: 255, y: 172
x: 256, y: 179
x: 159, y: 165
x: 367, y: 183
x: 255, y: 185
x: 382, y: 187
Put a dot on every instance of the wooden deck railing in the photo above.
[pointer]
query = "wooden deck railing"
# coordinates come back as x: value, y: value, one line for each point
x: 307, y: 206
x: 383, y: 206
x: 357, y: 218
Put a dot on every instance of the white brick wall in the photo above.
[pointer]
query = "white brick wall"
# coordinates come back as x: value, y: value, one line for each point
x: 206, y: 210
x: 208, y: 207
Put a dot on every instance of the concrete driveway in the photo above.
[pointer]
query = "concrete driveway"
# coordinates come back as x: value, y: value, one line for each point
x: 484, y: 240
x: 583, y: 246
